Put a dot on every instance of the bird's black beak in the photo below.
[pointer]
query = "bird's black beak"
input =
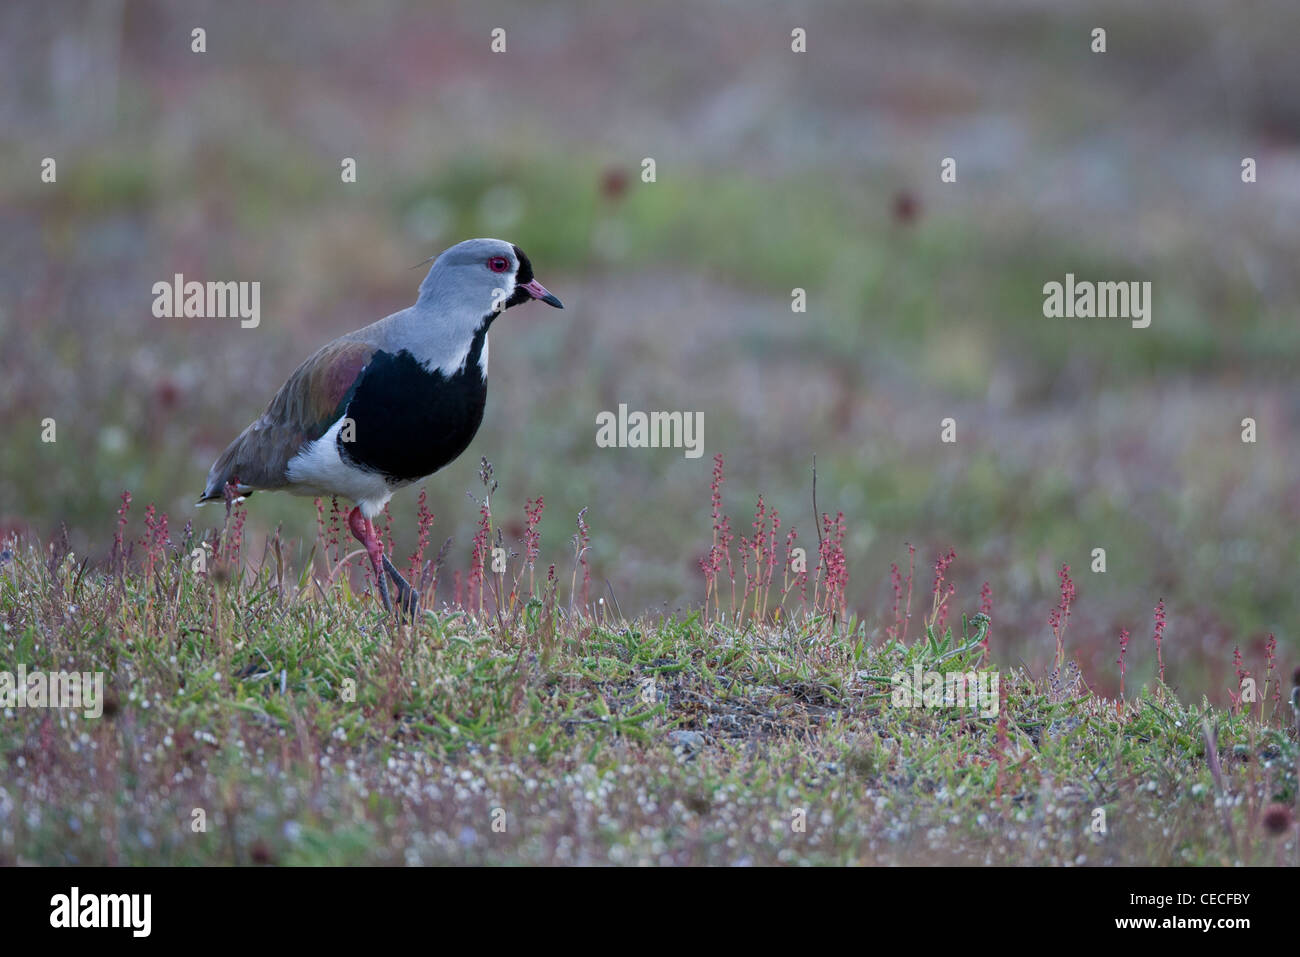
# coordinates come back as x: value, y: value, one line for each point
x: 538, y: 291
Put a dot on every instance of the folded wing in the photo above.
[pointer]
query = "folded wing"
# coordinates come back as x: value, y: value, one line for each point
x: 314, y: 398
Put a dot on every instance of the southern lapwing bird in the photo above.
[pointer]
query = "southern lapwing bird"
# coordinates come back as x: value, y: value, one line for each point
x: 389, y: 404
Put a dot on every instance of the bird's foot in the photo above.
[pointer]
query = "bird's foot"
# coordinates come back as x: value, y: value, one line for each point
x: 363, y: 529
x: 383, y: 591
x: 407, y: 600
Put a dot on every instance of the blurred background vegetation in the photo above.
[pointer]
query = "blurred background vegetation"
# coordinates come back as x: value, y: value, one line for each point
x: 775, y: 170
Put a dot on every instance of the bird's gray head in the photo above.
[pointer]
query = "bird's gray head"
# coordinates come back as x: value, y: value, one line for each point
x: 482, y: 277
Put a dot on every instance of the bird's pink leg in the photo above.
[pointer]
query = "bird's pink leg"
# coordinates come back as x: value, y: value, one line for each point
x: 364, y: 531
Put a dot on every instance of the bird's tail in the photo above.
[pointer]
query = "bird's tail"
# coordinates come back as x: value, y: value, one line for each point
x: 219, y: 476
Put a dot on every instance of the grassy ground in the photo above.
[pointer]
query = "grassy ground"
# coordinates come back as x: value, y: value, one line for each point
x: 281, y: 711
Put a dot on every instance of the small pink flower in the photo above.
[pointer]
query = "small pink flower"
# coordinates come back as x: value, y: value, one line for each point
x: 1159, y: 636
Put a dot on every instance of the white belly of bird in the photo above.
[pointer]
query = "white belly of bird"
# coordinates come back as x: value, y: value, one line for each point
x: 319, y: 470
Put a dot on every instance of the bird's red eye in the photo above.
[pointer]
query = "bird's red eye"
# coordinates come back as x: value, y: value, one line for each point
x: 498, y: 264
